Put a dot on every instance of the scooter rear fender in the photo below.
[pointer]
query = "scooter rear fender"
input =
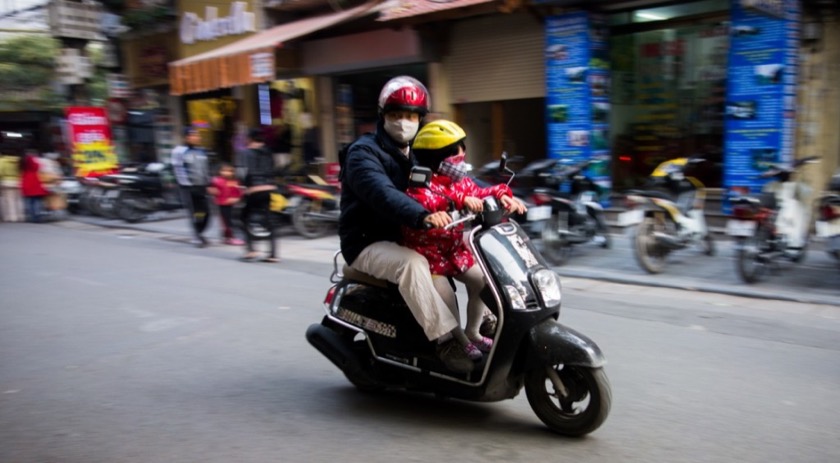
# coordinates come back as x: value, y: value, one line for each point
x: 553, y: 343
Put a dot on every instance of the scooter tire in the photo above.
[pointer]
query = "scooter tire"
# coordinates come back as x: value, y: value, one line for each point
x: 709, y: 245
x: 305, y: 226
x: 650, y: 255
x: 555, y: 248
x: 748, y: 261
x: 562, y: 415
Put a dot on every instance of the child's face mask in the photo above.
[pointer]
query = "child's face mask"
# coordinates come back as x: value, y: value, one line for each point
x: 454, y: 167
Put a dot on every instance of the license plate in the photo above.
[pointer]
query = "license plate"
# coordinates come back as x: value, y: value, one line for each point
x: 740, y: 227
x: 112, y: 193
x: 633, y: 217
x: 826, y: 229
x: 539, y: 213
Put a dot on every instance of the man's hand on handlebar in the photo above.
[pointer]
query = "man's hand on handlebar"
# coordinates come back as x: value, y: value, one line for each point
x: 513, y: 205
x: 438, y: 219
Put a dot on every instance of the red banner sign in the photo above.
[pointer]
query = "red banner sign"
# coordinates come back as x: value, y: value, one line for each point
x: 90, y: 137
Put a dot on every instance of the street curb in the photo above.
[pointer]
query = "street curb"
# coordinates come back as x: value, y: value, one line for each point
x: 701, y: 287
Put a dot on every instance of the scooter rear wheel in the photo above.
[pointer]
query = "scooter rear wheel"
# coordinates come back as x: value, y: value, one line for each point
x: 580, y: 409
x: 307, y: 226
x: 555, y: 246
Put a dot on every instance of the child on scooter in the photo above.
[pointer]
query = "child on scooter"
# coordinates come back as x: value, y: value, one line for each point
x: 440, y: 146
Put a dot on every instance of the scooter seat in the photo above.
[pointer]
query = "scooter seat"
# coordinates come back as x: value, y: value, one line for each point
x: 362, y: 277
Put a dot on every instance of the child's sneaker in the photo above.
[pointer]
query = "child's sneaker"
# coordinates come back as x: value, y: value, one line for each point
x: 483, y: 345
x: 234, y: 242
x: 473, y: 351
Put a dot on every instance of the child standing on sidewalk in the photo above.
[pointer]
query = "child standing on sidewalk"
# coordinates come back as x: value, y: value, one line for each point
x: 226, y: 192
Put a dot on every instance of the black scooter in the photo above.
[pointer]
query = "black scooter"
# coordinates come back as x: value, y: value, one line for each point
x: 577, y: 216
x: 371, y: 336
x: 145, y: 189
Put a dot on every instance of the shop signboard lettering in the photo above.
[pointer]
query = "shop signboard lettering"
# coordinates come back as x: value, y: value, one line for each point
x: 761, y: 94
x: 262, y: 65
x: 577, y: 86
x: 239, y: 21
x: 91, y: 142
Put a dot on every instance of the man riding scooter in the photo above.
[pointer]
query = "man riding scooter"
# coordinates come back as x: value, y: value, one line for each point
x: 374, y: 176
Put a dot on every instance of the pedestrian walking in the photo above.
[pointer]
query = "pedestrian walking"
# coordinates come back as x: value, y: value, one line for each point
x: 32, y: 189
x: 189, y: 162
x: 259, y: 182
x: 11, y: 200
x: 226, y: 192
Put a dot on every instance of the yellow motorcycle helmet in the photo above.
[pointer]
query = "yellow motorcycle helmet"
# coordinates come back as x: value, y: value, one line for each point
x: 436, y: 141
x: 438, y: 134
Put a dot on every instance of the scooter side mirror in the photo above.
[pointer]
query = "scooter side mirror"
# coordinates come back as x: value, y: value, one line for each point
x: 503, y: 168
x: 420, y: 177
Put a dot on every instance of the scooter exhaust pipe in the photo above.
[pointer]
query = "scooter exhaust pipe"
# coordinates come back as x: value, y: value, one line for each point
x: 668, y: 241
x: 329, y: 343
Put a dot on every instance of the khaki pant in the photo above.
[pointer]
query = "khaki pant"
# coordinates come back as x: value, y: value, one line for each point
x: 410, y: 272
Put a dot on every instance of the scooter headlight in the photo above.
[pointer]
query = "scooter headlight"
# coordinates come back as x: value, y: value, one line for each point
x: 547, y: 284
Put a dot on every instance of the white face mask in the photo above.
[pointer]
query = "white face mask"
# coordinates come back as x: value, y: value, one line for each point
x: 402, y: 130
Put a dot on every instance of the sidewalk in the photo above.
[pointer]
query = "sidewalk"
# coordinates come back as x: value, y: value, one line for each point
x: 816, y: 280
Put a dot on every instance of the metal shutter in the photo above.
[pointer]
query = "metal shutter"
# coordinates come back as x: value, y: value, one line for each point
x: 496, y: 57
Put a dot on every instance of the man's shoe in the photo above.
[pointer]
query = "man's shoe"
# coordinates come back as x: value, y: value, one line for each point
x: 454, y: 357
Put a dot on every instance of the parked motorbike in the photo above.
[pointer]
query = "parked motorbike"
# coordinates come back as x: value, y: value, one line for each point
x: 145, y: 189
x: 312, y: 209
x: 99, y: 196
x: 773, y: 225
x: 670, y: 215
x: 371, y: 336
x: 535, y: 185
x: 828, y: 218
x: 317, y: 209
x: 577, y: 216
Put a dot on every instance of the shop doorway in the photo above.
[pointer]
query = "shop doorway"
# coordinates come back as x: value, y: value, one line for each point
x: 668, y: 89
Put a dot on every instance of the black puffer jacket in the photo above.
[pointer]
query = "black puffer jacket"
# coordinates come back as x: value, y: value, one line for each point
x: 259, y: 167
x: 374, y: 177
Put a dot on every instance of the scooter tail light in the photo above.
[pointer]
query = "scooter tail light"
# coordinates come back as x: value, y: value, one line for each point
x: 541, y: 199
x: 328, y: 299
x: 743, y: 212
x: 829, y: 212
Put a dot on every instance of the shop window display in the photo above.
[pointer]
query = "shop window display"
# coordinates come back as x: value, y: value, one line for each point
x: 667, y: 99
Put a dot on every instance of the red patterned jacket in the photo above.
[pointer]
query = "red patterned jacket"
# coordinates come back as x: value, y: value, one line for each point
x: 445, y: 249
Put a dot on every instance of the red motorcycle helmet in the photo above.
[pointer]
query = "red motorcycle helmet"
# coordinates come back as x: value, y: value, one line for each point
x: 404, y: 93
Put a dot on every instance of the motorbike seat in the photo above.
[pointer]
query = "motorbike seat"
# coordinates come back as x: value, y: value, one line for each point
x: 352, y: 274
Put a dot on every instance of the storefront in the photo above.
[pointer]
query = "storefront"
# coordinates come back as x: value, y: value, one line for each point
x: 668, y: 89
x: 142, y: 116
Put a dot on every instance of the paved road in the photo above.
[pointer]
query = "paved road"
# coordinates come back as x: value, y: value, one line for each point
x: 128, y: 346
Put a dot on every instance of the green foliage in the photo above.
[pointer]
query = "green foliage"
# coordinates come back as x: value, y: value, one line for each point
x: 27, y: 71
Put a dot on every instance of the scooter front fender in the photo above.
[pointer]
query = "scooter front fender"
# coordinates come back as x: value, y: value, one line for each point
x: 554, y: 343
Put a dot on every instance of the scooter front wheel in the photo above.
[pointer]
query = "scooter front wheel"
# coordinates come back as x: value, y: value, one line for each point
x: 649, y: 254
x: 571, y: 400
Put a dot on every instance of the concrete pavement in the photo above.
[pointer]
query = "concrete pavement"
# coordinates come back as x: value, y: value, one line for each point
x: 815, y: 281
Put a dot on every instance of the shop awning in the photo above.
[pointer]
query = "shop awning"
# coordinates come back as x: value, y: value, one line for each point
x: 409, y: 8
x: 250, y: 60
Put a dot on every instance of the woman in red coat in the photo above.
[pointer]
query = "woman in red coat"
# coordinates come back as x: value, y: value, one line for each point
x: 440, y: 146
x: 31, y: 188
